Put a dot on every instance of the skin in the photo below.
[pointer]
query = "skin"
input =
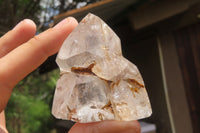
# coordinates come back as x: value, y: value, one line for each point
x: 21, y: 52
x: 3, y: 122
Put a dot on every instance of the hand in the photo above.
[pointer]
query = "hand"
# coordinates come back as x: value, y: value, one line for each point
x: 107, y: 127
x: 21, y: 52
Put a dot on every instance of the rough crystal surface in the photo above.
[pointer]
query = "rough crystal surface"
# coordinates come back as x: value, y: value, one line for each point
x: 97, y: 82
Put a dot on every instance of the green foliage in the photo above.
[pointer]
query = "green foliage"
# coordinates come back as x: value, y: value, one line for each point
x: 29, y: 108
x: 13, y: 11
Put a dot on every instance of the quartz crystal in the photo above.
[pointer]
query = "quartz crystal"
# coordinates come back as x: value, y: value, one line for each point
x: 97, y: 83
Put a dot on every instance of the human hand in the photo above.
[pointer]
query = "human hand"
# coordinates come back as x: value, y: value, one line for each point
x: 21, y: 52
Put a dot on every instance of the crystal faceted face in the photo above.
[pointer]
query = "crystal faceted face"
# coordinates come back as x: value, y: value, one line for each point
x: 97, y: 83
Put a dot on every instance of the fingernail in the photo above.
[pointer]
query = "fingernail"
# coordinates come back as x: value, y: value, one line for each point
x: 28, y: 21
x: 63, y: 22
x: 24, y: 21
x: 17, y: 25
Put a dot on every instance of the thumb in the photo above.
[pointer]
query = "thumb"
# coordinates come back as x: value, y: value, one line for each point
x: 107, y: 127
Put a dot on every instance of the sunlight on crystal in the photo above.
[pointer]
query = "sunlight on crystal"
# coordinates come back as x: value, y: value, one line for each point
x: 97, y: 83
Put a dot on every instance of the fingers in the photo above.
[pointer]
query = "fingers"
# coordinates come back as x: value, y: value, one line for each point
x: 28, y: 56
x: 107, y: 127
x: 2, y: 119
x: 3, y: 122
x: 20, y: 34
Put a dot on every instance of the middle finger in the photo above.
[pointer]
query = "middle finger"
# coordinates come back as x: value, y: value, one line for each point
x: 20, y: 34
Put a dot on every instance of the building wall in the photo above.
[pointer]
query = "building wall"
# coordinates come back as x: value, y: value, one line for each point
x: 188, y: 48
x: 145, y: 55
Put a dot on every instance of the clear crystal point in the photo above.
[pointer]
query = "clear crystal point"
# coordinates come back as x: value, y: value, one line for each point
x: 97, y: 82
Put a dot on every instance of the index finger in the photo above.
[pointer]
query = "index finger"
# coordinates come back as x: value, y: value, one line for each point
x: 27, y: 57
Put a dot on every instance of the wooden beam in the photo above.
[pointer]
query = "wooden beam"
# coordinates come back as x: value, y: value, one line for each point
x: 104, y: 9
x: 88, y: 7
x: 158, y: 11
x: 178, y: 108
x: 188, y: 46
x: 190, y: 17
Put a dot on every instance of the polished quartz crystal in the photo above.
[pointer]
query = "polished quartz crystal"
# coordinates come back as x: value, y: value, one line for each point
x: 97, y: 83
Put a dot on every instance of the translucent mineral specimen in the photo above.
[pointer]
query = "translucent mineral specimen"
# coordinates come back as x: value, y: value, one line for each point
x: 97, y: 82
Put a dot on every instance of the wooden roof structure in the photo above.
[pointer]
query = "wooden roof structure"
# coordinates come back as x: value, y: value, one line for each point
x: 105, y: 9
x: 141, y: 13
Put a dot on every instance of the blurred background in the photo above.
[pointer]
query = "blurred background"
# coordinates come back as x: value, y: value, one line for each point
x: 162, y: 37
